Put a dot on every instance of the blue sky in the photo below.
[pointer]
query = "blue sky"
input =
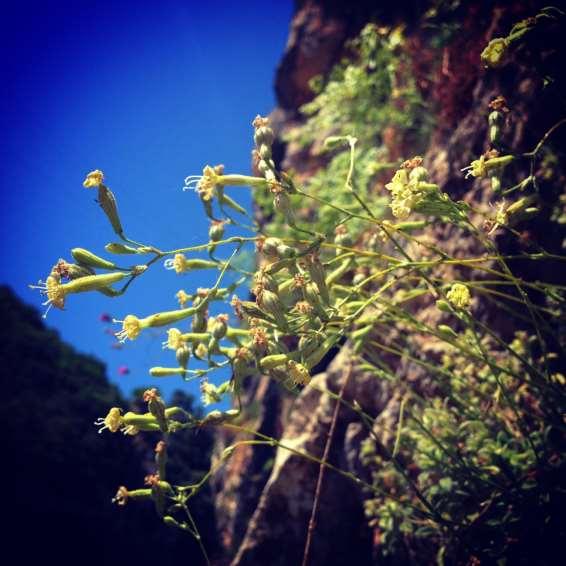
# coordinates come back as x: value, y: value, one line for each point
x: 149, y: 93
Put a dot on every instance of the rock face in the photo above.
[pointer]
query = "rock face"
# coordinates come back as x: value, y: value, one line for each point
x: 264, y: 498
x: 284, y: 507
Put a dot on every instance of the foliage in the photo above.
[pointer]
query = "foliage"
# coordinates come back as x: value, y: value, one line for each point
x: 364, y: 95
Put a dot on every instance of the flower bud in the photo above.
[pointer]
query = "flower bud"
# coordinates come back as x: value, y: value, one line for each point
x: 156, y: 407
x: 494, y: 54
x: 269, y: 246
x: 85, y: 257
x: 220, y: 326
x: 273, y: 361
x: 107, y: 202
x: 158, y: 371
x: 447, y: 332
x: 271, y: 304
x: 120, y: 249
x: 183, y: 354
x: 216, y: 230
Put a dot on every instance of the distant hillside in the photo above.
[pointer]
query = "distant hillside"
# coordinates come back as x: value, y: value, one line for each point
x: 60, y: 474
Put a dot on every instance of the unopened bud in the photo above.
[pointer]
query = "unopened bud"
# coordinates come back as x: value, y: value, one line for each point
x: 85, y: 257
x: 183, y: 354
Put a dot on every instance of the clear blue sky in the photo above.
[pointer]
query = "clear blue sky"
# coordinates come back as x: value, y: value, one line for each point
x: 149, y: 93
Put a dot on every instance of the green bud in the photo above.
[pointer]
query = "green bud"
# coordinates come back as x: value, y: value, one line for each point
x: 120, y: 249
x: 265, y: 152
x: 183, y: 354
x: 264, y: 136
x: 166, y: 372
x: 286, y: 252
x: 273, y: 361
x: 216, y: 231
x: 333, y: 142
x: 270, y: 302
x: 494, y: 54
x: 270, y: 245
x: 443, y: 305
x: 447, y: 332
x: 92, y: 282
x: 85, y: 257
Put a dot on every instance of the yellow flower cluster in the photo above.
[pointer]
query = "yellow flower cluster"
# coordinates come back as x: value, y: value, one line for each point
x: 459, y: 296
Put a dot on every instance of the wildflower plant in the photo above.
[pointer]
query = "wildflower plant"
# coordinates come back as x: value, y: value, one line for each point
x: 457, y: 454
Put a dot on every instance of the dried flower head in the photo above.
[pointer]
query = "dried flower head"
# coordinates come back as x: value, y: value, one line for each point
x: 121, y: 497
x: 94, y: 179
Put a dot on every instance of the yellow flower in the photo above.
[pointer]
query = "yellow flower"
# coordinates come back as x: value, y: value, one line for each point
x: 121, y: 497
x: 494, y: 54
x: 183, y: 298
x: 298, y: 373
x: 54, y: 290
x: 112, y: 421
x: 180, y: 263
x: 174, y: 340
x: 204, y: 184
x: 459, y: 296
x: 477, y: 168
x: 94, y: 179
x: 131, y: 328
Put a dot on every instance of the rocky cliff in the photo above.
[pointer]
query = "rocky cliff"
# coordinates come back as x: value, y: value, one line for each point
x: 264, y: 499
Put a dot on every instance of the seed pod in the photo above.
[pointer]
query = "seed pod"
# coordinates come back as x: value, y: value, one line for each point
x: 156, y: 407
x: 85, y: 257
x: 107, y: 202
